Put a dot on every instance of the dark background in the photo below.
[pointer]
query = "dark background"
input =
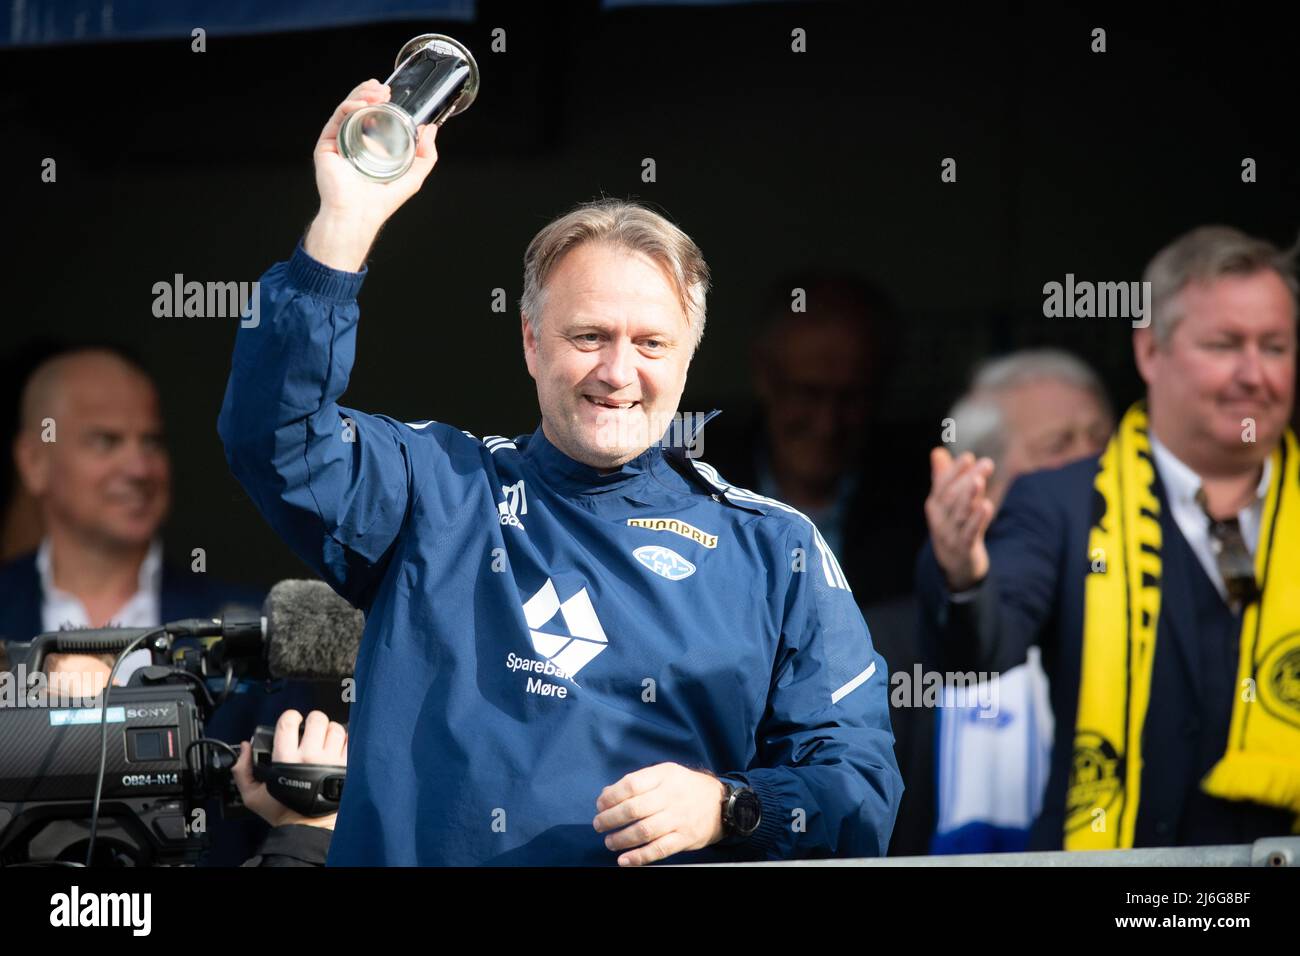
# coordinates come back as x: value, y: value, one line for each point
x: 171, y: 161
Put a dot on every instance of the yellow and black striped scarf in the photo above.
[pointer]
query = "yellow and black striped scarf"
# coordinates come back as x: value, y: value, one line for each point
x: 1121, y: 615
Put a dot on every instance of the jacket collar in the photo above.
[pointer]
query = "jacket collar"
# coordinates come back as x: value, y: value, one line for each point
x: 575, y: 476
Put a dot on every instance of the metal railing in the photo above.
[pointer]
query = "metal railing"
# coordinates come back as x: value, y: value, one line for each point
x: 1272, y: 851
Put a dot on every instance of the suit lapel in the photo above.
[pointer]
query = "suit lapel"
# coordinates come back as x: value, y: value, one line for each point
x: 20, y: 617
x: 174, y: 601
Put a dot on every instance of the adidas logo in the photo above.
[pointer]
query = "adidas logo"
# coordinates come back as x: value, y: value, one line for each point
x: 583, y: 639
x: 515, y: 504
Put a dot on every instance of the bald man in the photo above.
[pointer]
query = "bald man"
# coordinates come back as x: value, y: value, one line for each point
x: 92, y: 456
x: 90, y: 453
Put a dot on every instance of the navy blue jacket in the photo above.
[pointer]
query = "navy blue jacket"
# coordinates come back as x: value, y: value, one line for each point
x: 1034, y: 594
x: 527, y: 644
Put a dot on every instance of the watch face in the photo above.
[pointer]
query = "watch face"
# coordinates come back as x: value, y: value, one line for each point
x: 746, y: 812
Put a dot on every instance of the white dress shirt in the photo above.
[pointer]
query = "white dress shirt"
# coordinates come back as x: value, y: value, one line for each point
x: 61, y: 610
x: 1181, y: 486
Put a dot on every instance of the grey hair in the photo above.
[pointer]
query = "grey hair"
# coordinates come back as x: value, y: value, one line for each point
x: 1205, y: 253
x: 981, y: 421
x: 981, y: 427
x: 1032, y: 365
x: 630, y: 226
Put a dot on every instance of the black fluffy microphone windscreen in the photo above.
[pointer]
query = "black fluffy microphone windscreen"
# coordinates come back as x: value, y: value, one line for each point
x: 313, y: 634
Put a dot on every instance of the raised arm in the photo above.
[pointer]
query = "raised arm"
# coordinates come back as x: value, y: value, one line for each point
x: 333, y: 482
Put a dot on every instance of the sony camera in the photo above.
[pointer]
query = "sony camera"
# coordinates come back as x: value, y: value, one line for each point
x: 130, y: 773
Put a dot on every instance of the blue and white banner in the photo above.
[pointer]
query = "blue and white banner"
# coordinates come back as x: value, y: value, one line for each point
x: 993, y: 762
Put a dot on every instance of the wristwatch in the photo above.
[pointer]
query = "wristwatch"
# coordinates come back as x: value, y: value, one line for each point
x: 741, y: 811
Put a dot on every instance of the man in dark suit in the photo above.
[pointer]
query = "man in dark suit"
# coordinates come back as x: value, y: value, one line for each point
x: 1211, y: 444
x: 91, y: 453
x: 974, y: 784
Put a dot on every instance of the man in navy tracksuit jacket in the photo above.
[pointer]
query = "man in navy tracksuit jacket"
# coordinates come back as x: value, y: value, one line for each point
x: 560, y: 654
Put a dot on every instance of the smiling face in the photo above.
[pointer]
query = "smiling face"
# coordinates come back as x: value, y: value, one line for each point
x: 1230, y: 359
x: 610, y: 356
x: 106, y: 476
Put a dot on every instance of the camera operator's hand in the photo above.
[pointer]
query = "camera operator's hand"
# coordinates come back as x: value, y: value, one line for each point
x: 353, y: 207
x: 323, y: 742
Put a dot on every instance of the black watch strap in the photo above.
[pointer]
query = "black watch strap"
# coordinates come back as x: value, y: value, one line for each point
x: 741, y: 811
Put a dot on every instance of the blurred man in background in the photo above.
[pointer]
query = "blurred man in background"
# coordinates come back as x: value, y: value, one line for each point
x: 91, y: 454
x: 1025, y: 412
x: 1159, y: 578
x: 819, y: 365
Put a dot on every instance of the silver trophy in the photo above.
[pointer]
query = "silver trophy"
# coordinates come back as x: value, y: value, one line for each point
x: 436, y: 77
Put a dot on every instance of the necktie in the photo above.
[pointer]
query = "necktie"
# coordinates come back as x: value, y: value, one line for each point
x: 1236, y: 565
